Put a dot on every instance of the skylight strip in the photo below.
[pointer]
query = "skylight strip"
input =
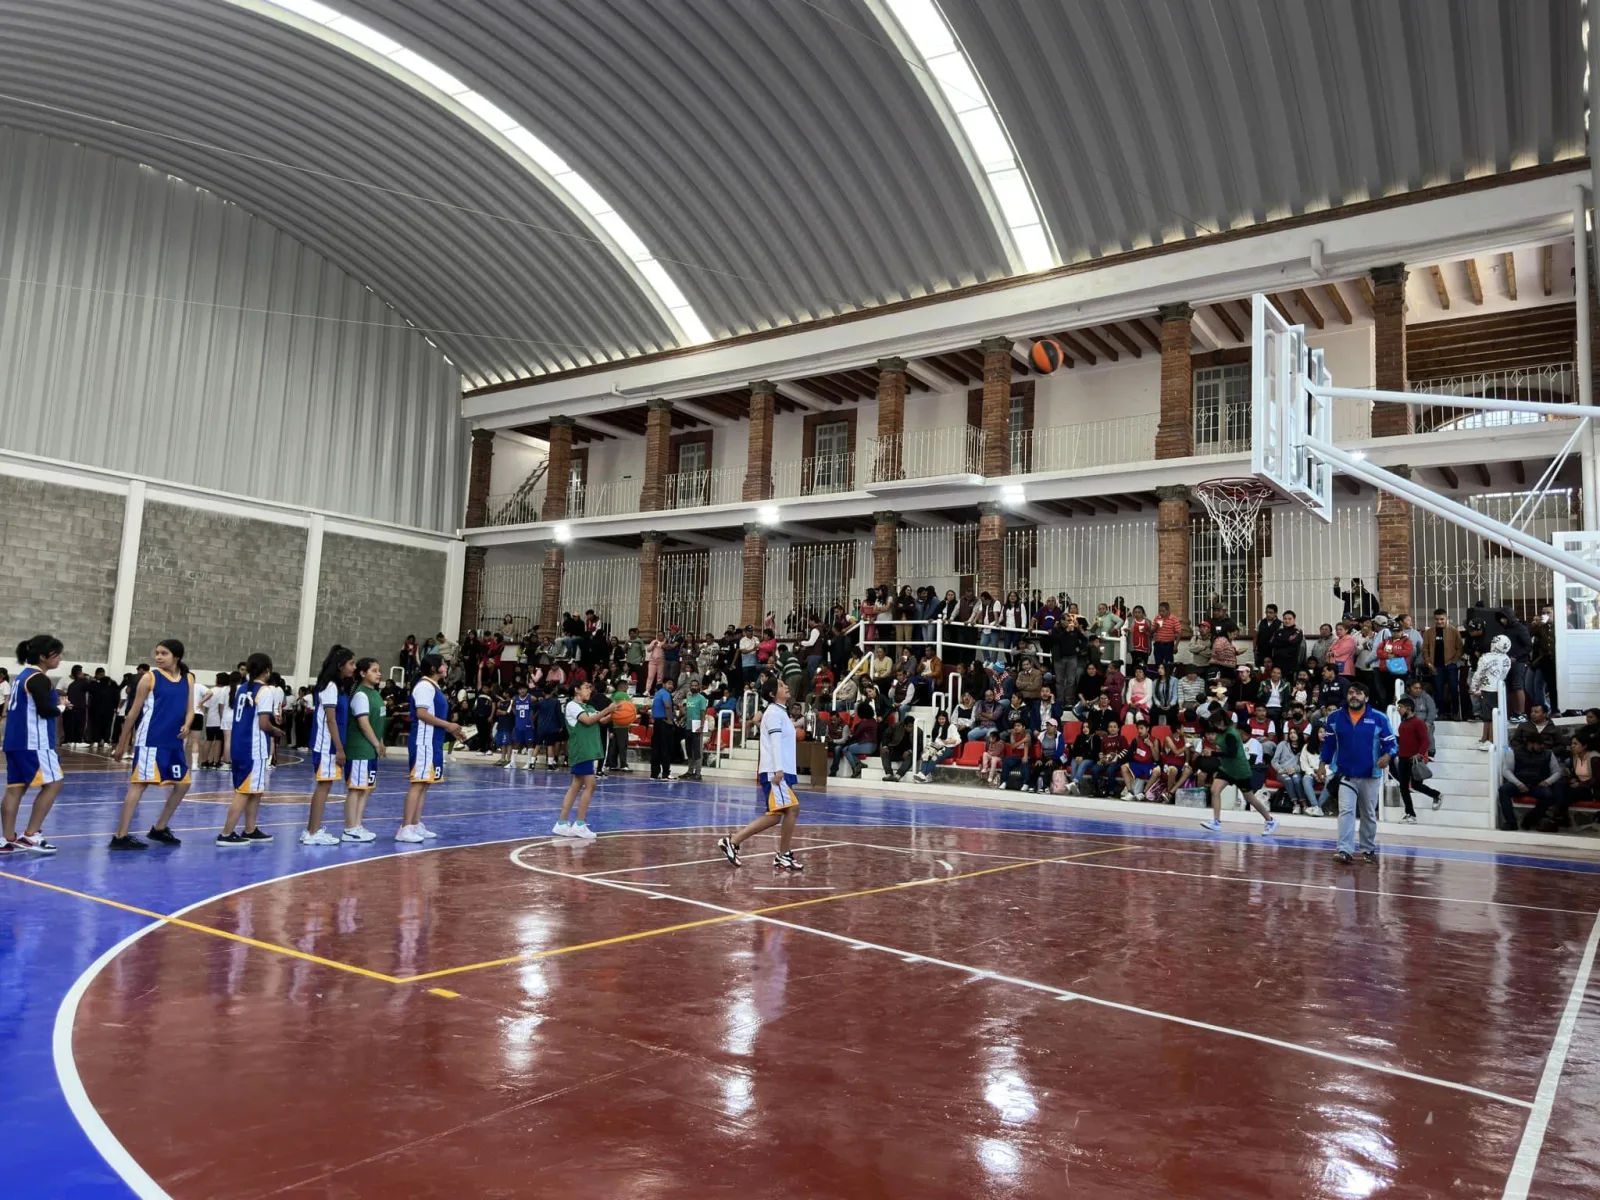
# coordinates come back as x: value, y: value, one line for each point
x: 599, y: 217
x: 925, y: 36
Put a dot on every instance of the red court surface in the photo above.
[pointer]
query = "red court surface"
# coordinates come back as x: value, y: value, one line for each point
x: 928, y: 1013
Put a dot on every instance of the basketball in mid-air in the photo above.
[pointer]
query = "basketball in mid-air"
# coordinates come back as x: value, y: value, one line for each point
x: 1047, y: 355
x: 624, y: 714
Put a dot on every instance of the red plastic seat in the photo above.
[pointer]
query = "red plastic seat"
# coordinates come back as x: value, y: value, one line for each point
x: 970, y: 754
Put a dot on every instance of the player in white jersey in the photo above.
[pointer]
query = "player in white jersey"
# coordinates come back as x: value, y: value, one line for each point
x: 30, y: 746
x: 775, y: 780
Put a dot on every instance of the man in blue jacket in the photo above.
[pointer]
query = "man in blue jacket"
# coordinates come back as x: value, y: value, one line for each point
x: 1359, y: 743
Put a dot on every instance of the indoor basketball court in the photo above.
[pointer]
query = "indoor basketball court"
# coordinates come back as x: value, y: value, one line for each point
x: 619, y: 599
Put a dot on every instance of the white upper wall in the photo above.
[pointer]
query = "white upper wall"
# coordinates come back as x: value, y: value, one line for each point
x: 150, y: 327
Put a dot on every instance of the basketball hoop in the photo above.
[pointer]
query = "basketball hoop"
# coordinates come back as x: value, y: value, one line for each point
x: 1234, y: 505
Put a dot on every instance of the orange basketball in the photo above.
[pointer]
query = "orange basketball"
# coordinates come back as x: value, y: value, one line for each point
x: 624, y: 714
x: 1047, y: 355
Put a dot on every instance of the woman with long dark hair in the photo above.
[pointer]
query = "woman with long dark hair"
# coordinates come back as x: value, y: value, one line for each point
x: 330, y: 724
x: 368, y: 723
x: 30, y: 745
x: 158, y: 721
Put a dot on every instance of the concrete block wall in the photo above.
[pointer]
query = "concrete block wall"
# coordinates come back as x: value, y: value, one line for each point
x: 60, y: 565
x: 371, y: 594
x: 225, y: 586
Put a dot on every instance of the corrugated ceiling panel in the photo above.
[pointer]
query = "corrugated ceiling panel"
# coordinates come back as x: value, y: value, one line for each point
x: 261, y: 369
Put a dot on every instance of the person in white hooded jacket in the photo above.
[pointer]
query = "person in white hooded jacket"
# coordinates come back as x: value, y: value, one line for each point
x: 1492, y: 670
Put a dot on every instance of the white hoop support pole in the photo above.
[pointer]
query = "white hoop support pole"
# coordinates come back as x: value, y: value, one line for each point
x: 1423, y: 399
x: 1523, y: 543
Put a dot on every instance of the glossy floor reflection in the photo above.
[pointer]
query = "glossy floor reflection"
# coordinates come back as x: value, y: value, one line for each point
x: 951, y: 1001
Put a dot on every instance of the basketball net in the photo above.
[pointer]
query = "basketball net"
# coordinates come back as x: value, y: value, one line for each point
x: 1234, y: 505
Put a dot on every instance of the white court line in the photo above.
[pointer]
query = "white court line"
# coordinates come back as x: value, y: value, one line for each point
x: 1544, y: 1099
x: 1289, y: 883
x: 691, y: 862
x: 1061, y: 993
x: 794, y: 889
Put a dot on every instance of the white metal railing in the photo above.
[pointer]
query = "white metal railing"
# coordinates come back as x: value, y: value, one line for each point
x: 1087, y: 444
x: 819, y: 475
x: 721, y: 750
x: 696, y: 489
x: 926, y: 453
x: 609, y: 499
x: 512, y: 508
x: 1499, y: 748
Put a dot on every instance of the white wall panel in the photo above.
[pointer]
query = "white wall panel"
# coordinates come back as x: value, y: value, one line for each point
x: 148, y: 326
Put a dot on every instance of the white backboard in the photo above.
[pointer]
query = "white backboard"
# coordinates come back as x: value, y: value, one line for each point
x: 1284, y: 412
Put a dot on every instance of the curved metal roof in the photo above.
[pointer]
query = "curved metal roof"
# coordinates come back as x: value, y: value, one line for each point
x: 1150, y: 120
x: 781, y: 160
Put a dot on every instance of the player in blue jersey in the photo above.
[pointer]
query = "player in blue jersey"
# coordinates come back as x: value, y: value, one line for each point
x: 501, y: 721
x: 157, y: 722
x: 775, y: 780
x: 30, y: 745
x: 430, y: 727
x: 522, y: 707
x: 250, y: 753
x: 330, y: 726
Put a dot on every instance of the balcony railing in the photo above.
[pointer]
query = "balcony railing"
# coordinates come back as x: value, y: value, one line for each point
x: 819, y: 475
x: 1087, y: 444
x: 696, y: 489
x: 509, y: 508
x: 926, y: 453
x: 1553, y: 383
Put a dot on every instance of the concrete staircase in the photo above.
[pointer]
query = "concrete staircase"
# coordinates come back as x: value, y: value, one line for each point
x: 741, y: 760
x: 1461, y: 772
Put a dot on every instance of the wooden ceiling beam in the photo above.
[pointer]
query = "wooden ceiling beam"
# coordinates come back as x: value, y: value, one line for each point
x: 1311, y: 310
x: 1099, y: 343
x: 1439, y: 288
x: 1508, y: 266
x: 1152, y: 338
x: 1483, y: 473
x: 1077, y: 347
x: 1336, y: 298
x: 1519, y: 471
x: 1451, y: 479
x: 1474, y: 284
x: 1126, y: 342
x: 1547, y: 269
x: 938, y: 363
x: 1350, y: 485
x: 817, y: 390
x: 1226, y: 318
x: 1020, y: 365
x: 1364, y: 285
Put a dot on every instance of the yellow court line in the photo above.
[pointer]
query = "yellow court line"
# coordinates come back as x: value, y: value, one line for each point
x: 740, y: 916
x: 198, y: 928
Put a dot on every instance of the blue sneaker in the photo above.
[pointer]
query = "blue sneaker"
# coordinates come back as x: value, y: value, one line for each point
x: 1272, y: 826
x: 1213, y: 826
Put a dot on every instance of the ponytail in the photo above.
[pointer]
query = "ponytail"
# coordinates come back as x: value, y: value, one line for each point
x: 36, y: 649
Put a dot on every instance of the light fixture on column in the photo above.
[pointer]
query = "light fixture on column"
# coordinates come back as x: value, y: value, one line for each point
x: 563, y: 533
x: 767, y: 514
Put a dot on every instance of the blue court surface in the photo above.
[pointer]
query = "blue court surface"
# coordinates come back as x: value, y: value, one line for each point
x: 62, y: 914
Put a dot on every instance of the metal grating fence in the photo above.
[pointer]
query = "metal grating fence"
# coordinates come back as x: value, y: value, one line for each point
x: 1092, y: 561
x: 1453, y: 568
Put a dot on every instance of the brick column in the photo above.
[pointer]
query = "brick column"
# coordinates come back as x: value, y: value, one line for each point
x: 885, y: 548
x: 657, y: 448
x: 891, y: 419
x: 1173, y: 550
x: 1389, y: 351
x: 558, y: 474
x: 992, y: 550
x: 555, y: 563
x: 1394, y: 550
x: 758, y: 462
x: 477, y: 515
x: 754, y: 604
x: 1175, y: 431
x: 649, y: 583
x: 996, y: 409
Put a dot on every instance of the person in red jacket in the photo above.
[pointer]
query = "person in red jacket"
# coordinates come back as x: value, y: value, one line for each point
x: 1140, y: 631
x: 1165, y: 634
x: 1413, y: 739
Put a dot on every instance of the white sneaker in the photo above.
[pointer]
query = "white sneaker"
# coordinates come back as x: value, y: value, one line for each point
x: 407, y: 833
x: 562, y: 829
x: 360, y: 834
x: 427, y: 834
x: 1126, y: 795
x: 580, y: 829
x: 1485, y: 746
x: 1272, y: 826
x: 320, y: 838
x: 920, y: 777
x: 510, y: 767
x: 1409, y: 820
x: 1213, y: 825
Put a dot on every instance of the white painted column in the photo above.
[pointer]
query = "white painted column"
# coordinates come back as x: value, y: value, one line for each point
x: 127, y: 578
x: 455, y: 570
x: 305, y: 654
x: 1580, y: 278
